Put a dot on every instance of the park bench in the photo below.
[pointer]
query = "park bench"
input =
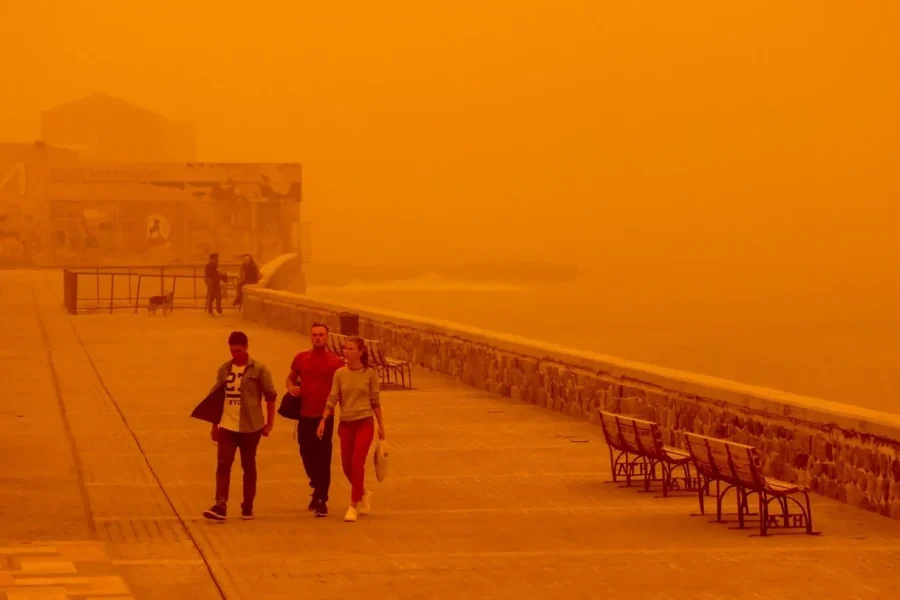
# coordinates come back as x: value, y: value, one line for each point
x: 394, y: 374
x: 738, y: 466
x: 635, y: 450
x: 336, y: 343
x: 402, y: 376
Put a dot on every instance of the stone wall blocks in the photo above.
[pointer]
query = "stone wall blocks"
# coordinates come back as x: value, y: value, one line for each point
x: 858, y: 469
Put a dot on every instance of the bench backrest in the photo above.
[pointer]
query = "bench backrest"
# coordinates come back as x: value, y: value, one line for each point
x: 376, y: 354
x: 737, y: 464
x: 631, y: 435
x: 336, y: 343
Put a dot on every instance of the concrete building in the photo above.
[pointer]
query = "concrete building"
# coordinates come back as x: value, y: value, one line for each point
x: 106, y: 129
x: 58, y: 209
x: 114, y: 183
x: 24, y: 170
x: 162, y: 213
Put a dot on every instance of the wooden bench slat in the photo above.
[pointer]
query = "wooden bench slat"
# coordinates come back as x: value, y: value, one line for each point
x: 729, y: 461
x: 676, y: 452
x: 783, y: 487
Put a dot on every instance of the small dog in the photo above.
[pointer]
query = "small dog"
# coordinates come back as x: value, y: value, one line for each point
x: 166, y: 302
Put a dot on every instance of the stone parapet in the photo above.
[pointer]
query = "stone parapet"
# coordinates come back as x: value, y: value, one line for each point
x: 844, y: 452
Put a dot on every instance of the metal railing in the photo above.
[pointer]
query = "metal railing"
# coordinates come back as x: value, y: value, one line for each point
x: 93, y: 289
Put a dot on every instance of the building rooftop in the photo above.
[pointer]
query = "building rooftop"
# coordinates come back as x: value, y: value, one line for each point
x: 103, y: 101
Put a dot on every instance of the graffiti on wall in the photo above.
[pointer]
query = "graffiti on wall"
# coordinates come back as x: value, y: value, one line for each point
x: 80, y: 228
x: 158, y: 213
x: 158, y: 230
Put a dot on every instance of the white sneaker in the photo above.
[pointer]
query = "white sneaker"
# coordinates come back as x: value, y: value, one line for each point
x: 365, y: 505
x: 351, y: 515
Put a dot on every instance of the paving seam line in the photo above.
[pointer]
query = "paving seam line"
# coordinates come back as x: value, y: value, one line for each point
x: 70, y: 437
x: 131, y: 432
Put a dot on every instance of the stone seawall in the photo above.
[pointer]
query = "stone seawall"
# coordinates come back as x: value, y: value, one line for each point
x: 843, y: 452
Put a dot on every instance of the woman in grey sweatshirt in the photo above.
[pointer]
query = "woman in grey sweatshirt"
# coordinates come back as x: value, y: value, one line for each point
x: 356, y: 388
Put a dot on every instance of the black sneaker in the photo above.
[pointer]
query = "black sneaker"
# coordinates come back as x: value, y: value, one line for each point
x: 216, y: 513
x: 246, y: 513
x: 313, y: 503
x: 322, y: 509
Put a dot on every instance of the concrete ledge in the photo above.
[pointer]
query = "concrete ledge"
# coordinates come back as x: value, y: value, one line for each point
x: 845, y: 452
x: 284, y: 273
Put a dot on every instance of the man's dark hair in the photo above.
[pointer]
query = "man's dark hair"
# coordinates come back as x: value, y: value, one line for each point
x: 238, y: 338
x: 314, y: 325
x: 213, y: 255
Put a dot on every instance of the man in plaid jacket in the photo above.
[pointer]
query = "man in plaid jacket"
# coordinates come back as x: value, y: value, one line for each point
x: 246, y: 384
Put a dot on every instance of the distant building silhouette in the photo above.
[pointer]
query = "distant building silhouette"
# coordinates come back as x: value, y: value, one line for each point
x: 103, y: 128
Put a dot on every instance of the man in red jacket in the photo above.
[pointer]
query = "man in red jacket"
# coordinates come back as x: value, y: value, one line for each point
x: 311, y: 375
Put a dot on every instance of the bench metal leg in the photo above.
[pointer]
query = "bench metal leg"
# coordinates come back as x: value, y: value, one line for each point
x: 763, y: 514
x: 650, y: 474
x: 394, y: 376
x: 405, y: 376
x: 743, y: 506
x: 624, y: 465
x: 809, y: 526
x: 670, y: 483
x: 704, y: 490
x: 637, y: 467
x: 720, y: 495
x: 646, y: 468
x: 783, y: 518
x: 683, y: 483
x: 700, y: 495
x: 613, y: 465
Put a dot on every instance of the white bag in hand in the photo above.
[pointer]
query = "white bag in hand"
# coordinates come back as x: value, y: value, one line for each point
x: 381, y: 460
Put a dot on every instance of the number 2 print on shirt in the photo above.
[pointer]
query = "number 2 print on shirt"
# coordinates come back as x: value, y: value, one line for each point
x: 233, y: 388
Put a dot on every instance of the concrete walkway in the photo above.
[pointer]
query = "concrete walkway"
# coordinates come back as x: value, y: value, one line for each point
x: 488, y: 497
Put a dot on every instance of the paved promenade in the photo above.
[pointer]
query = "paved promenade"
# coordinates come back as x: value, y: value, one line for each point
x: 105, y: 476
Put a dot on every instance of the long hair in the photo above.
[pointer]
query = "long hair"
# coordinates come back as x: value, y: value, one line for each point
x: 363, y: 350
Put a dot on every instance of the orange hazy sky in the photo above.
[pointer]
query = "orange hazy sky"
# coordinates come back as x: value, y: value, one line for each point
x: 673, y: 132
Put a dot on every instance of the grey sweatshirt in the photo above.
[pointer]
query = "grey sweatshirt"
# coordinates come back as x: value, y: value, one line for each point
x: 356, y: 391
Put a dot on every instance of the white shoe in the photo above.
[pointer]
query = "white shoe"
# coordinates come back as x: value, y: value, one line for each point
x: 365, y: 505
x: 351, y: 515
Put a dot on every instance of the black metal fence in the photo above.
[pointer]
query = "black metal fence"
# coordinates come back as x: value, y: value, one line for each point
x: 93, y: 289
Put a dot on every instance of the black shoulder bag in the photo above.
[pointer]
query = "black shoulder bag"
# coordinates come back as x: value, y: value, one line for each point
x: 289, y: 408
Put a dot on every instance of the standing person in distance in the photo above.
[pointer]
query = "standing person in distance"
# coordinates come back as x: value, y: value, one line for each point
x: 247, y: 384
x: 311, y: 376
x: 356, y: 389
x: 213, y: 279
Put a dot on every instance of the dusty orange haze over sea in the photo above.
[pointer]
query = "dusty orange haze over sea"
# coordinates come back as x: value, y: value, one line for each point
x: 669, y: 142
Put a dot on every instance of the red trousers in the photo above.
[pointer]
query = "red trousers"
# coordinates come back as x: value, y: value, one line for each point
x: 356, y: 438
